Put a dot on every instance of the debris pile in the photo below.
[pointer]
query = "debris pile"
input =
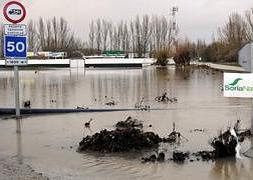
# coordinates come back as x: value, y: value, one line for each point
x: 141, y: 106
x: 244, y: 134
x: 204, y: 155
x: 87, y: 124
x: 81, y: 107
x: 174, y: 136
x: 111, y: 103
x: 126, y: 137
x: 179, y: 156
x: 224, y: 145
x: 129, y: 123
x: 27, y: 104
x: 198, y: 130
x: 165, y: 98
x: 153, y: 158
x: 119, y: 140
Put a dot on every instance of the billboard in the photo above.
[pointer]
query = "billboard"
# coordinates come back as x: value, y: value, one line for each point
x: 238, y: 85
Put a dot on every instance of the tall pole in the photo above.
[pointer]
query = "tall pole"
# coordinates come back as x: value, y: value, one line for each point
x: 174, y: 11
x: 17, y: 103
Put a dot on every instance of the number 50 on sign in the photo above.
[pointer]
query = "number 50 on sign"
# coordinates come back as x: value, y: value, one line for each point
x: 15, y: 47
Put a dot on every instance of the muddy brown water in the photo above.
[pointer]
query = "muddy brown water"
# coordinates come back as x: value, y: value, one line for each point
x: 48, y: 143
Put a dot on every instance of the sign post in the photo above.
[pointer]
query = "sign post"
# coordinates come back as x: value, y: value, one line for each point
x: 15, y: 46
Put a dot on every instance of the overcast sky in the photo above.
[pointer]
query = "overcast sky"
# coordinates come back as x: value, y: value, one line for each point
x: 196, y: 18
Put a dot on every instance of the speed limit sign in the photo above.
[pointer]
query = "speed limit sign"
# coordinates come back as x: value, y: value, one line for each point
x: 15, y: 48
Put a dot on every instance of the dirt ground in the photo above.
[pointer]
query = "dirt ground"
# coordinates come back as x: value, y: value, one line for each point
x: 12, y: 169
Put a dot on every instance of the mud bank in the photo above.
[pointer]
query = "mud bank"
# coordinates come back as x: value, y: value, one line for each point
x: 11, y: 168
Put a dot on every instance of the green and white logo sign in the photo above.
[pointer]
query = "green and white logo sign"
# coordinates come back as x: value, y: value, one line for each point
x: 238, y: 85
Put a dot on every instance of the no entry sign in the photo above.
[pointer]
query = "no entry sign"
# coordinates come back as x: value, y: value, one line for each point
x: 14, y: 12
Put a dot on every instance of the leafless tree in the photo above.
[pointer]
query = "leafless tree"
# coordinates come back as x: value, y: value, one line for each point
x: 132, y: 36
x: 32, y: 37
x: 120, y: 35
x: 92, y: 35
x: 98, y: 34
x: 146, y: 33
x: 53, y: 35
x: 249, y: 23
x: 138, y: 36
x: 110, y: 31
x: 125, y: 37
x: 41, y: 31
x: 55, y: 32
x: 234, y: 31
x: 48, y: 37
x: 115, y: 38
x: 64, y: 33
x: 105, y: 31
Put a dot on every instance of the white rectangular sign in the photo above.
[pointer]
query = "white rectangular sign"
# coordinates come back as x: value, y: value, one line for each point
x: 15, y: 29
x: 238, y: 85
x: 16, y: 62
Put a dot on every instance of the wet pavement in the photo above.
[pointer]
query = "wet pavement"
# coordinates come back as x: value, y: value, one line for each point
x: 48, y: 143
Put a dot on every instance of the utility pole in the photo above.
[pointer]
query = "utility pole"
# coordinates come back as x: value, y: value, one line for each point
x: 173, y: 13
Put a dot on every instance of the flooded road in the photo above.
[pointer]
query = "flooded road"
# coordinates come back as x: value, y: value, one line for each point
x: 48, y: 143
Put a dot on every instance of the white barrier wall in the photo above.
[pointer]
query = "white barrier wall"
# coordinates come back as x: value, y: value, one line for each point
x: 76, y: 63
x: 48, y: 61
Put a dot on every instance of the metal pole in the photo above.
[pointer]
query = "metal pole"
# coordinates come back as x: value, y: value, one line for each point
x: 17, y: 103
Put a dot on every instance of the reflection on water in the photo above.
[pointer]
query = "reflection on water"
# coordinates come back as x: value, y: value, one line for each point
x: 19, y: 148
x: 49, y: 142
x: 230, y: 169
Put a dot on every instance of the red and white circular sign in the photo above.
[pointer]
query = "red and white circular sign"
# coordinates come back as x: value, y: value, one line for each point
x: 14, y: 12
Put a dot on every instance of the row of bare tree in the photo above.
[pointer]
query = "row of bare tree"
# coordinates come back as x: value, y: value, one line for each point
x: 231, y: 37
x: 141, y: 35
x: 51, y: 35
x: 224, y: 48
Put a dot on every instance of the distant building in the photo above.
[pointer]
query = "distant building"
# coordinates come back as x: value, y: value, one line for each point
x: 46, y: 55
